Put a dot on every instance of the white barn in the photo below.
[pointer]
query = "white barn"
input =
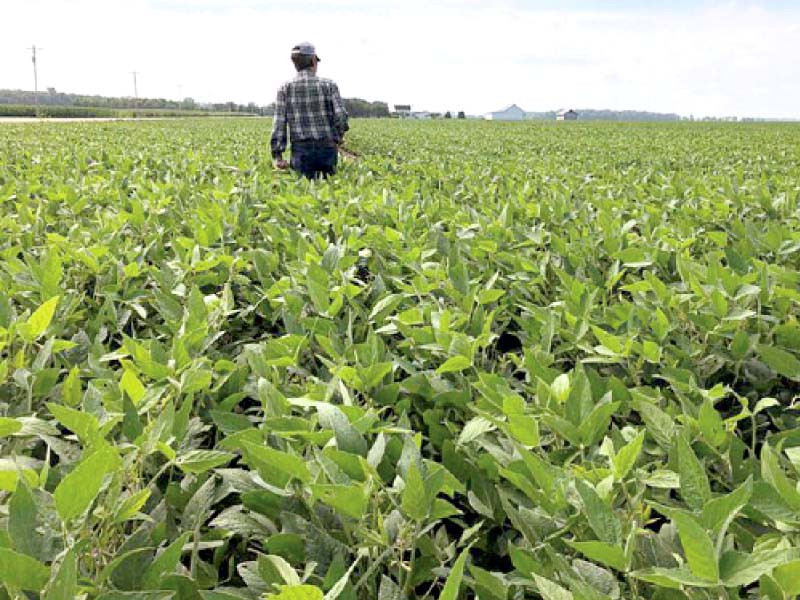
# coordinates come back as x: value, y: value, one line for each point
x: 566, y: 115
x: 510, y: 113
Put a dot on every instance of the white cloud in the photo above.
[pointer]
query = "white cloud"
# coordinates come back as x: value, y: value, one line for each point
x: 721, y: 58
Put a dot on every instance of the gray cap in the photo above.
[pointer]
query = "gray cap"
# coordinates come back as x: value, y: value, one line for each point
x: 305, y: 49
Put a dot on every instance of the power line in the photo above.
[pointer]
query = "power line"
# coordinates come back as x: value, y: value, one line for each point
x: 33, y: 50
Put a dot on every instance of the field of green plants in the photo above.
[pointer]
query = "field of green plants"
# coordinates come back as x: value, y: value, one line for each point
x: 490, y: 361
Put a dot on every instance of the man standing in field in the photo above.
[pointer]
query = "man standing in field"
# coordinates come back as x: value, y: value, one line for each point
x: 313, y: 112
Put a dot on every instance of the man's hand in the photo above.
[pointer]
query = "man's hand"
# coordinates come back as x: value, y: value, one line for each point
x: 281, y: 164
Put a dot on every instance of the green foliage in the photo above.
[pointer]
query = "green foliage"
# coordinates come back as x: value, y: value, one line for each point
x: 484, y: 360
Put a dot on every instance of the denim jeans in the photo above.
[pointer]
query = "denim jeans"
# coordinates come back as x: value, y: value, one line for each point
x: 314, y: 159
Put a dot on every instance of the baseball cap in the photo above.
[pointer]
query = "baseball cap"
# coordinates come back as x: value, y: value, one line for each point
x: 305, y: 49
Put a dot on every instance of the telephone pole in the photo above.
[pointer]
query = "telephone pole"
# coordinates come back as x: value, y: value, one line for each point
x: 135, y: 88
x: 33, y: 50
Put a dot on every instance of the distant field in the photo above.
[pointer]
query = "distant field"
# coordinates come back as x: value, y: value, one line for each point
x: 485, y: 360
x: 26, y: 110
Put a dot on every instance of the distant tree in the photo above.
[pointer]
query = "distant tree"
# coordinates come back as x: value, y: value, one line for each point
x: 447, y: 115
x: 461, y: 115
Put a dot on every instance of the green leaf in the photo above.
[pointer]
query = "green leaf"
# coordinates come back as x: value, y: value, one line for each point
x: 130, y: 384
x: 24, y: 572
x: 350, y: 500
x: 348, y: 438
x: 788, y: 577
x: 550, y: 590
x: 117, y: 595
x: 9, y: 426
x: 738, y: 569
x: 40, y: 320
x: 415, y: 501
x: 199, y: 461
x: 626, y: 457
x: 454, y: 364
x: 131, y: 505
x: 697, y: 547
x: 71, y: 388
x: 64, y: 585
x: 80, y: 487
x: 772, y: 473
x: 473, y: 429
x: 695, y: 489
x: 291, y: 466
x: 22, y: 521
x: 165, y: 562
x: 297, y: 592
x: 606, y: 554
x: 317, y: 281
x: 602, y: 519
x: 389, y: 590
x: 85, y: 425
x: 673, y: 578
x: 711, y: 424
x: 780, y: 361
x: 453, y: 583
x: 720, y: 512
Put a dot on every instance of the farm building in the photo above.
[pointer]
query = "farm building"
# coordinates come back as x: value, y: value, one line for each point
x: 510, y: 113
x: 566, y: 115
x: 402, y: 110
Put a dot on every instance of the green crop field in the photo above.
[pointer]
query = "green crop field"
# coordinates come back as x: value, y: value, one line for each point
x: 486, y: 360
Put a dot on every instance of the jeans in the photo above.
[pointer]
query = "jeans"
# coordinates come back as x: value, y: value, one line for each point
x: 314, y: 159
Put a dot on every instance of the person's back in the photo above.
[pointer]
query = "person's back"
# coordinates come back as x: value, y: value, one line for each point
x: 310, y: 112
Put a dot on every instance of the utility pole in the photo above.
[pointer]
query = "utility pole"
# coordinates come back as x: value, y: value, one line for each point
x: 33, y: 50
x: 135, y: 88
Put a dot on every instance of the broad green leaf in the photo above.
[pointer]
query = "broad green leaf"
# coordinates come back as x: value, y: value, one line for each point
x: 788, y: 577
x: 154, y: 595
x: 350, y: 500
x: 80, y: 487
x: 697, y: 546
x: 673, y: 578
x: 22, y: 521
x: 454, y: 364
x: 348, y: 438
x: 199, y: 461
x: 9, y: 426
x: 602, y: 519
x: 297, y: 592
x: 718, y: 513
x: 85, y: 425
x: 40, y: 320
x: 130, y: 384
x: 473, y: 429
x: 695, y: 489
x: 453, y: 583
x: 131, y: 505
x: 165, y: 562
x: 24, y: 572
x: 780, y: 361
x: 415, y: 501
x: 291, y: 466
x: 772, y: 473
x: 606, y: 554
x: 739, y: 569
x: 550, y: 590
x: 71, y: 388
x: 624, y: 460
x: 64, y: 585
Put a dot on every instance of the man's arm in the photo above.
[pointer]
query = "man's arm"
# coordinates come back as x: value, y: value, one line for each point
x: 278, y: 141
x: 339, y: 113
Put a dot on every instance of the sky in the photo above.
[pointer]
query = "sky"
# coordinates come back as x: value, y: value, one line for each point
x: 702, y: 58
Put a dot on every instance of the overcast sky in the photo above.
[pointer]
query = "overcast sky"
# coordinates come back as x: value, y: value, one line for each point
x: 738, y: 57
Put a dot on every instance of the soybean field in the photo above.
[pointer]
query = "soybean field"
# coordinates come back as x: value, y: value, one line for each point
x: 495, y: 361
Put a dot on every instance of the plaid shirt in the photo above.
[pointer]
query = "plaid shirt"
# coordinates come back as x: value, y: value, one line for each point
x: 312, y: 110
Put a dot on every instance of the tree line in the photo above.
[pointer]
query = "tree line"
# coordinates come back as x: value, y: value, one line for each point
x: 356, y: 107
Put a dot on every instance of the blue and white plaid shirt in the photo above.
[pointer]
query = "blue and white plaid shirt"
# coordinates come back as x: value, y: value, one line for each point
x: 311, y: 108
